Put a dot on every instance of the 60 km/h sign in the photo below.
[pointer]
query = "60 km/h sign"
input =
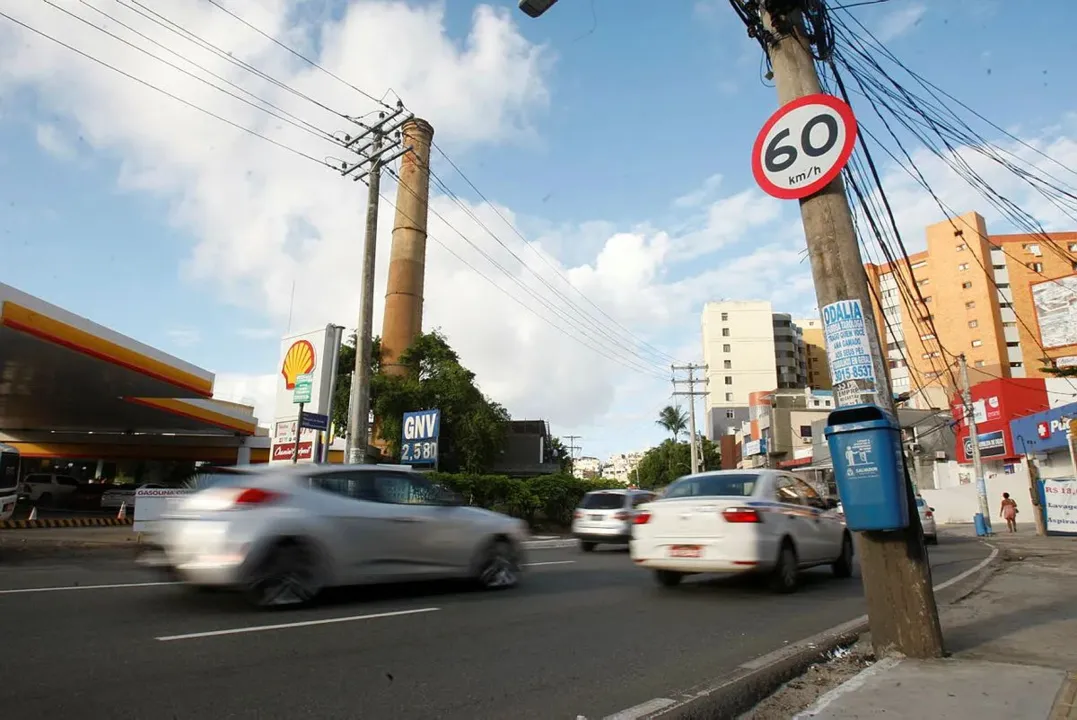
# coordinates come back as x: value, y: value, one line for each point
x: 803, y: 146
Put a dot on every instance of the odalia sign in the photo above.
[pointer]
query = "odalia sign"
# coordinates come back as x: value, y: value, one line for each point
x: 419, y: 437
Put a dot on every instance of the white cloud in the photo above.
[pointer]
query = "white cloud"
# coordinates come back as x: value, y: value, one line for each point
x: 900, y: 21
x: 53, y: 141
x: 258, y: 391
x: 184, y: 337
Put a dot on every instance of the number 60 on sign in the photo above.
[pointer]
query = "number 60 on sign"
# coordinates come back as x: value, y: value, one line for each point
x: 804, y: 146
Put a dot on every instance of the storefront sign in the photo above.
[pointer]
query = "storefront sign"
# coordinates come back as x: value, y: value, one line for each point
x: 991, y: 444
x: 1044, y: 431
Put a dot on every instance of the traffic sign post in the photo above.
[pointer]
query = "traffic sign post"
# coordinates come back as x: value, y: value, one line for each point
x: 804, y: 146
x: 304, y: 389
x: 313, y: 421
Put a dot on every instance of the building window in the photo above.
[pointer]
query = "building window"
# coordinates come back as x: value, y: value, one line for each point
x: 925, y: 281
x: 1013, y: 344
x: 730, y: 414
x: 805, y: 432
x: 927, y: 299
x: 728, y: 364
x: 1073, y: 266
x: 979, y: 363
x: 963, y: 266
x: 728, y: 380
x: 1073, y: 247
x: 1009, y: 324
x: 929, y: 355
x: 974, y: 323
x: 966, y: 285
x: 1033, y: 248
x: 1017, y: 364
x: 1006, y: 305
x: 999, y: 267
x: 977, y: 343
x: 1036, y: 267
x: 725, y: 316
x: 725, y: 332
x: 962, y: 246
x: 970, y: 304
x: 920, y: 264
x: 729, y: 397
x: 927, y: 336
x: 1002, y: 286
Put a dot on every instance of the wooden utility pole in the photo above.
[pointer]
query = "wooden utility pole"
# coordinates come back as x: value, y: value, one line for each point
x: 896, y: 574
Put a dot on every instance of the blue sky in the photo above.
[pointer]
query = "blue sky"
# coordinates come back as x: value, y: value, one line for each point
x: 585, y: 125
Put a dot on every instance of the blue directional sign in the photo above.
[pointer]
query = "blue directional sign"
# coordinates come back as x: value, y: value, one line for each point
x: 313, y: 421
x: 419, y: 437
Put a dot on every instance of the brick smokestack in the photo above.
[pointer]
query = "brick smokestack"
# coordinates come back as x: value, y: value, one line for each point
x: 403, y: 320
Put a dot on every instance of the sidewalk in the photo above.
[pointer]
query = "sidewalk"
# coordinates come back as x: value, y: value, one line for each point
x: 1012, y: 645
x: 76, y: 537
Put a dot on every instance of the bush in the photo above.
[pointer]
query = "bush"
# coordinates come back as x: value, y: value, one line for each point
x: 544, y: 499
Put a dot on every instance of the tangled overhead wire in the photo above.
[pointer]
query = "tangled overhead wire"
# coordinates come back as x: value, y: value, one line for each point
x: 813, y: 23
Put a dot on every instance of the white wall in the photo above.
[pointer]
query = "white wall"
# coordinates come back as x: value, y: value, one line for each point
x: 751, y: 351
x: 958, y: 503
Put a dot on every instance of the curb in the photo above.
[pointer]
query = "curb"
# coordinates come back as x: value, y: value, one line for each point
x: 737, y: 692
x: 65, y: 523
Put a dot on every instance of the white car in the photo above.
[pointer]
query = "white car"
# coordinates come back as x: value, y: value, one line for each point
x: 605, y: 517
x: 739, y: 521
x: 114, y: 497
x: 927, y: 521
x: 282, y: 534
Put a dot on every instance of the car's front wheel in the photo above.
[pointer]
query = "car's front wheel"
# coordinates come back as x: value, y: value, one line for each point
x: 500, y: 567
x: 843, y: 566
x: 784, y: 576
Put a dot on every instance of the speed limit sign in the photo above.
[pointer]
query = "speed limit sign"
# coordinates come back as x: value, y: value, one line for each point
x: 803, y: 146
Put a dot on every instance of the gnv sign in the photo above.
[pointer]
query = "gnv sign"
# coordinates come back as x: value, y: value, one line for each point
x: 419, y: 437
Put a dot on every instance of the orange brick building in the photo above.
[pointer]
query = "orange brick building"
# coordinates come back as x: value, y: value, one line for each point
x: 995, y: 298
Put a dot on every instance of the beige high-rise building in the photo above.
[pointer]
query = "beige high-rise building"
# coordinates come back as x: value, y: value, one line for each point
x: 995, y: 298
x: 817, y: 367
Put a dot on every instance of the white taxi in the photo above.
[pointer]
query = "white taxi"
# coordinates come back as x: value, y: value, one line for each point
x: 740, y: 521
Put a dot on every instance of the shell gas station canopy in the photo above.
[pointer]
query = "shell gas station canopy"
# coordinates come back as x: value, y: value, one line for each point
x: 66, y: 382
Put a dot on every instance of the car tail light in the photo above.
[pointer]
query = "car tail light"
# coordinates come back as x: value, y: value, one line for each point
x: 577, y: 514
x: 929, y: 514
x: 641, y: 518
x: 742, y: 515
x: 255, y: 496
x: 621, y: 515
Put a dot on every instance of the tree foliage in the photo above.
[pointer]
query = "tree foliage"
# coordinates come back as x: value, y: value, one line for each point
x: 345, y: 370
x: 1050, y: 368
x: 664, y: 463
x: 472, y: 426
x: 560, y: 455
x: 674, y: 420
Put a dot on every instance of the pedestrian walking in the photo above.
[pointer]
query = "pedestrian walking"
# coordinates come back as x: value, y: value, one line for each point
x: 1008, y: 512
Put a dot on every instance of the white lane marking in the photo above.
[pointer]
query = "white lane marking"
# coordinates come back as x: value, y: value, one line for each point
x: 793, y: 648
x: 285, y: 626
x: 854, y: 683
x: 84, y: 587
x: 549, y: 562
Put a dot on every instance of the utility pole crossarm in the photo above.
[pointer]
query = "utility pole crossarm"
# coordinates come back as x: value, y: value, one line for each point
x: 695, y: 449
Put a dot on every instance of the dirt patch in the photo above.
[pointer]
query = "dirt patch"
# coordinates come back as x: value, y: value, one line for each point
x: 801, y: 693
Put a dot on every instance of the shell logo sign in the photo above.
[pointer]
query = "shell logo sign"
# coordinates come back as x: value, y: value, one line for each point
x: 299, y: 360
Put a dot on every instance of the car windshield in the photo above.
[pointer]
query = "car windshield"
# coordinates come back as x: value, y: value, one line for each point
x: 602, y: 501
x: 738, y: 485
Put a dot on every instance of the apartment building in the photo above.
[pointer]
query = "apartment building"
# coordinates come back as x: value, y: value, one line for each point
x: 747, y: 348
x: 995, y: 298
x: 817, y: 368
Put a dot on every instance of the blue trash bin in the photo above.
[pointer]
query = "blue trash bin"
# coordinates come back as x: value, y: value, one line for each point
x: 869, y: 469
x: 980, y: 523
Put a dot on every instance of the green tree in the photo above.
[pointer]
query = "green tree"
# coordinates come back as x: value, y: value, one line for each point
x: 664, y: 463
x: 674, y: 420
x: 472, y: 426
x: 560, y: 454
x: 345, y: 370
x: 1050, y: 368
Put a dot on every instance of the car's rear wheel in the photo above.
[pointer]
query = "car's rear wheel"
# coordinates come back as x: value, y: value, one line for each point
x: 784, y: 576
x: 931, y: 539
x: 586, y: 546
x: 668, y: 578
x: 500, y: 567
x: 843, y: 566
x: 287, y: 577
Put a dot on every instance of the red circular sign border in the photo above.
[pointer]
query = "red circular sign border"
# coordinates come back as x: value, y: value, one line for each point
x: 834, y: 103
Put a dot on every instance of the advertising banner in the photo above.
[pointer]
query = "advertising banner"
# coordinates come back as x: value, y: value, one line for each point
x: 992, y: 444
x: 1060, y: 505
x: 305, y: 359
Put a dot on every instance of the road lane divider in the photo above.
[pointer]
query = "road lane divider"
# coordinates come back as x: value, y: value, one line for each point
x: 549, y: 562
x: 65, y: 588
x: 288, y: 626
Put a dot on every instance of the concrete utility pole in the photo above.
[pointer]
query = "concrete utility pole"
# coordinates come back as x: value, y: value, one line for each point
x: 691, y: 393
x: 1034, y: 496
x: 375, y: 153
x: 977, y: 463
x: 894, y: 565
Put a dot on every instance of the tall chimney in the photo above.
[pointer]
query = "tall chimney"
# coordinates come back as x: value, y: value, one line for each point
x: 403, y: 320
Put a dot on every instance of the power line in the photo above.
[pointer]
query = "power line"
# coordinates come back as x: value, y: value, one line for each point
x: 151, y: 86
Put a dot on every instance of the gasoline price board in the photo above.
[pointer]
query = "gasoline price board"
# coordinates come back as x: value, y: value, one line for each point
x: 804, y: 146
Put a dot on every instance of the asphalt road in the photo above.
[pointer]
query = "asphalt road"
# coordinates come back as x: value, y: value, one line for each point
x: 586, y: 635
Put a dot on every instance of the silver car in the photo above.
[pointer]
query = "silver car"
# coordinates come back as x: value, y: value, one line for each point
x: 281, y: 534
x: 605, y: 516
x: 927, y: 521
